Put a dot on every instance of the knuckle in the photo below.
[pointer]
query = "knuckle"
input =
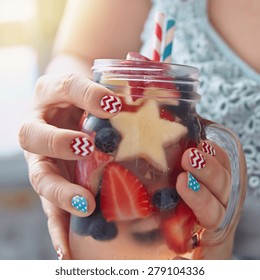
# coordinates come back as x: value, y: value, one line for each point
x: 52, y: 222
x: 57, y: 192
x: 51, y: 143
x: 89, y: 89
x: 67, y: 84
x: 36, y: 176
x: 23, y: 135
x: 215, y: 173
x: 40, y: 85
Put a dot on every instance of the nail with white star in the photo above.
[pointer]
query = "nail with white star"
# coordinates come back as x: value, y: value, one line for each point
x: 80, y: 203
x: 193, y: 184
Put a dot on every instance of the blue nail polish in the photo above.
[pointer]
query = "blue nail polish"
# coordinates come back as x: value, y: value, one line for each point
x: 80, y: 203
x: 193, y: 184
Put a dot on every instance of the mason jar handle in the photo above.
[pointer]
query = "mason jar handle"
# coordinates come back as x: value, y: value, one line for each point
x: 227, y: 140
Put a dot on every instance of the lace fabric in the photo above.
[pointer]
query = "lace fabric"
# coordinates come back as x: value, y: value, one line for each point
x: 229, y: 88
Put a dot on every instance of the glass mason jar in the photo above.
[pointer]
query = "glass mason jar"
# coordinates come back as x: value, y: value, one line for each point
x: 137, y: 159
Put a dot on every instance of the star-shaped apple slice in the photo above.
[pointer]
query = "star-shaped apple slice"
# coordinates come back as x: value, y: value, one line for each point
x: 145, y: 135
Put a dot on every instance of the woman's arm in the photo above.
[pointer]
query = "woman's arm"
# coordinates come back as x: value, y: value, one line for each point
x: 97, y: 29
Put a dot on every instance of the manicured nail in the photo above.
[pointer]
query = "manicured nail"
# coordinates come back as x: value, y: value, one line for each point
x: 111, y: 104
x: 207, y: 148
x: 59, y: 253
x: 193, y: 184
x: 80, y: 203
x: 197, y: 160
x: 82, y: 146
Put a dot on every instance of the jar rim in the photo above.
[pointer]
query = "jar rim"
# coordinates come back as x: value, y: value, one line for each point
x: 177, y: 70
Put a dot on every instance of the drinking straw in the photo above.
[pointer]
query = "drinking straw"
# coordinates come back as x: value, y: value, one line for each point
x: 157, y: 35
x: 168, y: 40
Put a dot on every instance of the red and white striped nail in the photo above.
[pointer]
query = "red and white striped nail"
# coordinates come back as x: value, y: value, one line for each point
x: 111, y: 104
x: 197, y: 160
x: 207, y: 148
x: 82, y: 146
x: 59, y: 253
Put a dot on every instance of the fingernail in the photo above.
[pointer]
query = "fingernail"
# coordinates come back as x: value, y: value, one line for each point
x: 197, y: 160
x: 207, y: 148
x: 80, y: 203
x: 59, y: 253
x: 111, y: 104
x: 193, y: 184
x: 82, y: 146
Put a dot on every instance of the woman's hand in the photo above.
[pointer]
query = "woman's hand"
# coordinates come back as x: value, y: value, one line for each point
x: 208, y: 182
x: 205, y: 187
x: 52, y: 143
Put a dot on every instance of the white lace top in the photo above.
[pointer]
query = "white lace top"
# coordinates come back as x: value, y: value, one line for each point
x: 230, y: 91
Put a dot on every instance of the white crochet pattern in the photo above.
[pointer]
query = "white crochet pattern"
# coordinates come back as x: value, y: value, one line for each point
x: 229, y: 95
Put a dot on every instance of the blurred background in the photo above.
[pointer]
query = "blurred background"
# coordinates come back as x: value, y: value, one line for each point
x: 27, y: 30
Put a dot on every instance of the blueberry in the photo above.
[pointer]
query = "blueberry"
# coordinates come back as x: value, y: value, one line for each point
x: 95, y: 124
x: 94, y: 225
x: 81, y: 225
x: 147, y: 237
x: 165, y: 199
x: 107, y: 139
x: 185, y: 87
x: 102, y: 230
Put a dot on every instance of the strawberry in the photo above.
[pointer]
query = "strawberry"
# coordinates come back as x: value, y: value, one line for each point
x: 178, y: 228
x: 123, y: 197
x: 167, y: 115
x: 87, y: 171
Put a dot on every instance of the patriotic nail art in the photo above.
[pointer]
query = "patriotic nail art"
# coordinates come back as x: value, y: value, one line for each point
x: 207, y: 148
x: 193, y: 184
x: 111, y: 104
x: 80, y: 203
x: 82, y: 146
x: 197, y: 160
x: 59, y: 253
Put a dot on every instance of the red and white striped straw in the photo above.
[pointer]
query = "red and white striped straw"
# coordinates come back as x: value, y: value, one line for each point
x: 157, y: 35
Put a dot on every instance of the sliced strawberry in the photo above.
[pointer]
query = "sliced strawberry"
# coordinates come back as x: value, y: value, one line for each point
x: 123, y: 197
x: 178, y: 228
x: 87, y: 172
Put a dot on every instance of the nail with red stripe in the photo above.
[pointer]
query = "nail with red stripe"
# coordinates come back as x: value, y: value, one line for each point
x: 207, y: 148
x: 82, y: 146
x: 111, y: 104
x: 59, y: 253
x: 197, y: 160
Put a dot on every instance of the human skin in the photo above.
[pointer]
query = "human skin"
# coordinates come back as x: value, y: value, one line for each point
x: 108, y: 29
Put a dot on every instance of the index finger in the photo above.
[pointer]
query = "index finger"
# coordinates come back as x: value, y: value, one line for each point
x: 77, y: 90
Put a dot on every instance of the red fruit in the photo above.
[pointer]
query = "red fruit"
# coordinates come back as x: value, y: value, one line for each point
x: 167, y: 115
x: 136, y: 56
x: 86, y: 172
x: 82, y: 119
x: 123, y: 197
x: 178, y: 228
x: 129, y: 108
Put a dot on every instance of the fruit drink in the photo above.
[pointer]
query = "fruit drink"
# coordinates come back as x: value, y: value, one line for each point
x: 134, y: 167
